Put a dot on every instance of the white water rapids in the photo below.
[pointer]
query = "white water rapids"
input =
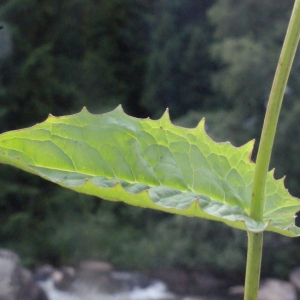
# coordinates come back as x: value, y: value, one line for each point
x: 156, y: 291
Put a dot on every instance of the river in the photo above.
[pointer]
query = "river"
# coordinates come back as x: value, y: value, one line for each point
x: 156, y: 291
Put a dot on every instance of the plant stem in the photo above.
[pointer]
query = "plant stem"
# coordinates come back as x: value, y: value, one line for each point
x: 284, y: 66
x: 255, y: 242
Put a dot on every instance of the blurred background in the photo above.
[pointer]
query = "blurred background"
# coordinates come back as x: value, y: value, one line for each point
x: 212, y: 58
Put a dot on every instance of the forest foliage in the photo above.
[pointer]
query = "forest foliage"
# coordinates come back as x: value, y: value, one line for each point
x: 198, y: 58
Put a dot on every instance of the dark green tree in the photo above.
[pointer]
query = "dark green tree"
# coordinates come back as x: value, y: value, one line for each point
x: 117, y: 34
x: 247, y: 40
x: 178, y: 67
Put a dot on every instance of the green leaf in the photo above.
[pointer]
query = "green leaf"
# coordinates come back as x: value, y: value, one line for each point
x: 151, y: 164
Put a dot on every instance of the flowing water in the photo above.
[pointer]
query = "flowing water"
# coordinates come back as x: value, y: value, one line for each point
x: 156, y: 291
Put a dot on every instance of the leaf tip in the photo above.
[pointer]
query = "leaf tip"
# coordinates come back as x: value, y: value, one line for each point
x: 166, y: 116
x: 166, y: 113
x: 202, y: 123
x: 119, y: 108
x: 50, y: 117
x: 84, y: 110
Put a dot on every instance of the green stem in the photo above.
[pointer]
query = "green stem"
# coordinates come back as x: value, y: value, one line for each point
x: 255, y: 242
x: 265, y: 148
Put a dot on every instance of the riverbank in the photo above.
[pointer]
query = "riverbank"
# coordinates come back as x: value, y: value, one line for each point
x: 98, y: 280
